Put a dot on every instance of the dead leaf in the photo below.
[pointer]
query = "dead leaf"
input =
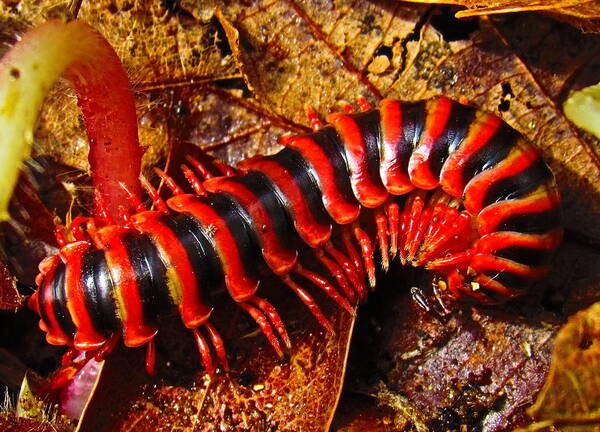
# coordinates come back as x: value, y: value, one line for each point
x: 570, y: 398
x: 475, y: 371
x: 10, y: 299
x: 582, y: 14
x: 11, y: 423
x: 358, y: 413
x: 260, y: 393
x: 31, y: 414
x: 262, y: 64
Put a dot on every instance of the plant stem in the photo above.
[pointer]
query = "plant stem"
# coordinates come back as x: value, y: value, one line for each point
x: 80, y: 54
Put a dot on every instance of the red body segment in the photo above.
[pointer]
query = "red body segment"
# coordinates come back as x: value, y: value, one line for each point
x: 279, y: 258
x: 394, y: 176
x: 368, y: 191
x: 342, y: 209
x: 183, y: 286
x: 312, y: 232
x: 419, y: 166
x: 239, y: 283
x: 86, y: 337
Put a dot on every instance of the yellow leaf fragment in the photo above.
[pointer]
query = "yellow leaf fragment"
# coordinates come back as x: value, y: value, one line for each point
x: 27, y: 73
x: 583, y: 109
x: 28, y: 405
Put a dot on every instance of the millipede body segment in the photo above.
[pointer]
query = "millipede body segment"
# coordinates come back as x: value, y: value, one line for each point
x: 433, y: 184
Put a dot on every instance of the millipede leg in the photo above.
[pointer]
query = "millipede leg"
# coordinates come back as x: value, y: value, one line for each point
x: 153, y: 194
x: 205, y: 173
x: 436, y: 218
x: 455, y: 283
x: 225, y: 169
x: 393, y: 214
x: 355, y: 259
x: 78, y: 232
x: 313, y: 119
x: 264, y: 325
x: 204, y: 350
x: 412, y: 223
x: 346, y: 265
x: 151, y: 358
x: 367, y: 253
x: 75, y: 227
x: 419, y: 231
x: 171, y: 184
x: 459, y: 260
x: 268, y: 309
x: 133, y: 199
x: 63, y: 376
x: 326, y: 287
x: 194, y: 182
x: 382, y: 237
x: 363, y: 104
x: 200, y: 168
x: 337, y: 273
x: 59, y: 234
x: 309, y: 302
x: 108, y: 346
x: 218, y: 344
x: 346, y: 107
x: 69, y: 356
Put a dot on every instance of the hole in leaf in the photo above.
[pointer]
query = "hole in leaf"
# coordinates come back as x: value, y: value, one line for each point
x: 221, y: 41
x: 507, y: 90
x: 451, y: 28
x: 504, y: 105
x: 234, y: 83
x: 385, y: 50
x: 586, y: 342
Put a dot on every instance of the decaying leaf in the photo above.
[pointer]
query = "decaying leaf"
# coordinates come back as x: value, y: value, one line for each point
x: 31, y: 414
x: 475, y: 371
x: 28, y: 405
x: 570, y: 398
x: 10, y: 299
x: 261, y: 392
x: 582, y: 14
x: 231, y: 77
x: 11, y: 423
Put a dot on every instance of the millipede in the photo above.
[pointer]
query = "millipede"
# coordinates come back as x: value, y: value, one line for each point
x: 433, y: 184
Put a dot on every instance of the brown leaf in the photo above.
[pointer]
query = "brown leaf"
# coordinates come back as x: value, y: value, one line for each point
x: 582, y: 14
x: 31, y: 414
x: 11, y: 423
x: 477, y: 370
x: 358, y: 413
x: 570, y: 398
x: 290, y: 55
x: 29, y: 236
x: 260, y: 393
x: 10, y: 299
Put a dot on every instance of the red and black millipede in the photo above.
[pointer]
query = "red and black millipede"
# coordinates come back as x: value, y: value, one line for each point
x: 434, y: 184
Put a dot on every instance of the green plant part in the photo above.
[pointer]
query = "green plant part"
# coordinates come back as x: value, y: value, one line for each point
x: 80, y: 54
x: 583, y: 109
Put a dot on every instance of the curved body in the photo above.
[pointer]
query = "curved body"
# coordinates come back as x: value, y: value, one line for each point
x: 436, y: 183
